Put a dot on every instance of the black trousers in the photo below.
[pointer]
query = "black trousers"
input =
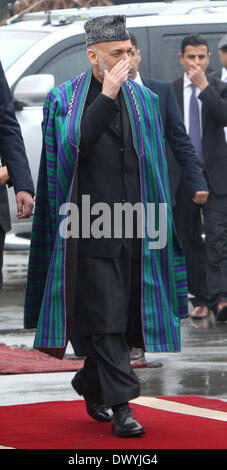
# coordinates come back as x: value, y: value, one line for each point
x: 107, y: 318
x: 215, y: 223
x: 2, y: 241
x: 189, y: 226
x: 206, y: 260
x: 107, y: 369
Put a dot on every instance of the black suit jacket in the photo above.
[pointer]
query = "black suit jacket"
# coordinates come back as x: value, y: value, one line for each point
x: 12, y: 152
x: 217, y: 73
x: 180, y: 151
x: 214, y: 118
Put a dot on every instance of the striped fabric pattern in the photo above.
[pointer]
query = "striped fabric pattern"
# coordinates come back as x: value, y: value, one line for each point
x: 163, y: 276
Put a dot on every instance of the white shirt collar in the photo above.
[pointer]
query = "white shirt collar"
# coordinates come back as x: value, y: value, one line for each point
x: 187, y: 85
x: 224, y: 74
x: 187, y: 96
x: 187, y: 81
x: 138, y: 78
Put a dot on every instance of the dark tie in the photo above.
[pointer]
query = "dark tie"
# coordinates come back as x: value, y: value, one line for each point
x: 194, y: 124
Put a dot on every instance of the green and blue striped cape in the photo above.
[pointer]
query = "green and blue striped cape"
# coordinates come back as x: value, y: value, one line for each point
x: 50, y: 292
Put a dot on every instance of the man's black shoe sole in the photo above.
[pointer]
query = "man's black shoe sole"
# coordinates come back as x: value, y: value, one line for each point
x: 127, y: 433
x: 76, y: 386
x: 93, y: 414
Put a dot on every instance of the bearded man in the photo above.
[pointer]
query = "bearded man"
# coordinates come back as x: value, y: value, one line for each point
x: 103, y: 140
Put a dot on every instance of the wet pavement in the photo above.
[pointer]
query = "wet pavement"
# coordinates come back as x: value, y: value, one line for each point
x: 200, y: 368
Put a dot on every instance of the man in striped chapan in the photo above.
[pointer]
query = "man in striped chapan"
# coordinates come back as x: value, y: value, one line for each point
x: 103, y: 150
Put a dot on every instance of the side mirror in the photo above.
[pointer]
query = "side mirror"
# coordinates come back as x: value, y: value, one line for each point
x: 32, y: 90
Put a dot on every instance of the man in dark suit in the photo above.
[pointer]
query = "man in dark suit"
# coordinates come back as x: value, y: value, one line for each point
x: 15, y: 169
x: 203, y: 102
x: 175, y: 133
x: 222, y: 72
x: 222, y: 46
x: 4, y: 214
x: 181, y: 154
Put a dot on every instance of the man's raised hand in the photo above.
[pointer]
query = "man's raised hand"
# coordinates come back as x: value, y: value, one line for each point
x: 114, y: 79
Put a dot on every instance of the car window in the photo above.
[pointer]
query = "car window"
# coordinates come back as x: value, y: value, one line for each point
x: 13, y: 44
x: 68, y: 64
x: 141, y: 35
x: 170, y: 68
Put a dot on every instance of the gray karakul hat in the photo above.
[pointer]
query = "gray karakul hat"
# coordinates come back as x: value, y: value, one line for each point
x: 105, y: 29
x: 223, y: 42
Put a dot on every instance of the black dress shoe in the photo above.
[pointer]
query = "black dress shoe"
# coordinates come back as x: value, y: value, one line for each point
x: 125, y: 425
x: 221, y: 311
x: 136, y: 354
x: 95, y: 408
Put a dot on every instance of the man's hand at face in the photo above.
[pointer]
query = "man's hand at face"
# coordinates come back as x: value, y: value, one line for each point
x: 25, y: 204
x: 114, y: 79
x: 197, y: 77
x: 200, y: 197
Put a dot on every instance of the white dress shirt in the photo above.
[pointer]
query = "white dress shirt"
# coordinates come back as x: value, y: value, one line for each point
x: 224, y: 79
x: 138, y: 78
x: 187, y: 90
x: 224, y: 74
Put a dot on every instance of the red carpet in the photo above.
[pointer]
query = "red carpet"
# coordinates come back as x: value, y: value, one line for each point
x: 29, y: 361
x: 65, y: 425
